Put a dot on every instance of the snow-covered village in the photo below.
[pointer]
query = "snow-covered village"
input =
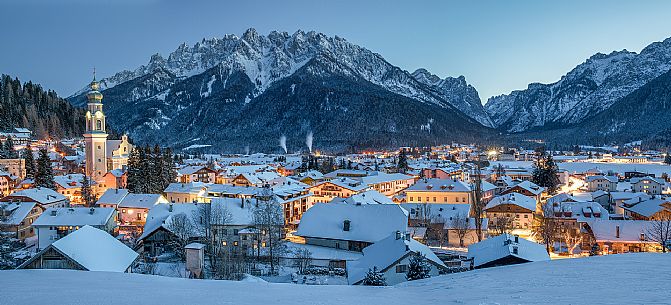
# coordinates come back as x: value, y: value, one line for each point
x: 267, y: 167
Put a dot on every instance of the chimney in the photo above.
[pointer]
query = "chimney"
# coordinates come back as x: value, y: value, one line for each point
x: 398, y: 235
x: 517, y: 239
x: 345, y: 225
x: 170, y: 208
x: 617, y: 231
x: 53, y: 212
x: 116, y: 190
x: 91, y: 210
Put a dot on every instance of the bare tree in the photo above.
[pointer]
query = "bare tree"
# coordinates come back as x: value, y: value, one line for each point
x: 439, y: 231
x: 303, y: 259
x: 502, y: 224
x: 460, y: 224
x: 183, y: 229
x: 546, y: 226
x: 423, y: 214
x: 572, y: 238
x: 659, y: 231
x: 268, y: 218
x: 210, y: 217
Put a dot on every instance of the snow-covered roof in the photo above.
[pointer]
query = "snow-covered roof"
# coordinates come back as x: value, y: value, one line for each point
x: 648, y: 207
x: 517, y: 199
x: 369, y: 223
x: 322, y: 253
x: 384, y: 177
x: 112, y: 196
x: 580, y: 211
x: 497, y: 247
x: 186, y: 188
x: 18, y: 211
x: 161, y: 215
x: 647, y: 178
x: 347, y: 183
x: 144, y: 201
x: 190, y: 170
x: 626, y: 195
x: 530, y: 186
x: 75, y: 217
x: 40, y: 195
x: 367, y: 197
x: 629, y: 230
x: 241, y: 215
x: 384, y: 253
x: 96, y: 250
x: 613, y: 179
x: 439, y: 185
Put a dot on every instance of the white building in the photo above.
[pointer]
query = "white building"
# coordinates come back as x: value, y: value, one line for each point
x: 391, y: 256
x: 506, y: 249
x: 56, y: 223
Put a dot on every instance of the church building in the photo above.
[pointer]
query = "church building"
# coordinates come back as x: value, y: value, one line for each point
x: 102, y: 155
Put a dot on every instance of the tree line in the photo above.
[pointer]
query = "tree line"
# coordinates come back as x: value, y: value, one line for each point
x: 150, y: 171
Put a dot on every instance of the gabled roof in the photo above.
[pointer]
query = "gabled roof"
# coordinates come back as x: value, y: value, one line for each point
x: 239, y: 215
x: 629, y: 230
x: 347, y: 183
x: 647, y: 208
x: 369, y: 223
x: 189, y: 170
x: 497, y: 247
x: 367, y: 197
x: 18, y: 211
x: 161, y: 215
x: 40, y: 195
x: 517, y: 199
x: 647, y: 178
x: 144, y: 201
x: 383, y: 177
x: 75, y: 217
x: 193, y: 188
x: 113, y: 196
x: 530, y: 187
x: 384, y: 253
x: 94, y: 250
x: 439, y: 185
x: 602, y: 177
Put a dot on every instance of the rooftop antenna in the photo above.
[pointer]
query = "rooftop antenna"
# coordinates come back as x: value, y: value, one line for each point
x: 94, y: 74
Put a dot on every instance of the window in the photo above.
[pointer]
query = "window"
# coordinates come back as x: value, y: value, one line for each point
x: 99, y: 125
x: 401, y: 268
x: 235, y: 232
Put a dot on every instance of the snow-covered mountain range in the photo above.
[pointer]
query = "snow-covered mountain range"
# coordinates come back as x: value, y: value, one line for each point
x: 232, y: 72
x: 582, y: 93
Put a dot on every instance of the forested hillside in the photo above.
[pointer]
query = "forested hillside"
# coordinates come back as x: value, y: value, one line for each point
x: 42, y: 111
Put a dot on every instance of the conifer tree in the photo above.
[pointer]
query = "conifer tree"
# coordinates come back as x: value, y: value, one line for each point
x: 30, y: 162
x: 155, y: 177
x: 667, y: 159
x: 45, y: 174
x: 169, y: 173
x: 418, y: 268
x: 402, y: 165
x: 374, y: 278
x: 88, y: 197
x: 545, y: 172
x: 134, y: 175
x: 10, y: 153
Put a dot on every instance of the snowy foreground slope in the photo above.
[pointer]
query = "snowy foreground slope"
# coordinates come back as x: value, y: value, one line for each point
x: 615, y: 279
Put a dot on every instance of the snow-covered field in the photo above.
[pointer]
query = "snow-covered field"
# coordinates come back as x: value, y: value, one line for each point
x: 581, y: 167
x: 615, y: 279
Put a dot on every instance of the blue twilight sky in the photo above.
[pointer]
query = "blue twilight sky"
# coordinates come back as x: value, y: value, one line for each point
x: 499, y: 46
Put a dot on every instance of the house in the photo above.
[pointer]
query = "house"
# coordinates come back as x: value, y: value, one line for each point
x: 620, y: 236
x: 512, y: 211
x: 70, y: 186
x: 56, y: 223
x: 445, y: 191
x: 88, y: 249
x: 159, y: 228
x: 7, y: 182
x: 619, y: 199
x: 295, y: 199
x: 186, y: 192
x: 441, y: 172
x: 19, y: 217
x: 133, y: 209
x: 388, y: 184
x: 391, y: 256
x: 339, y: 187
x: 528, y: 189
x: 115, y: 179
x: 350, y: 226
x: 649, y: 185
x: 506, y: 249
x: 237, y: 233
x: 602, y: 183
x: 196, y: 173
x: 311, y: 177
x: 15, y: 167
x: 650, y: 209
x: 47, y: 198
x: 111, y: 198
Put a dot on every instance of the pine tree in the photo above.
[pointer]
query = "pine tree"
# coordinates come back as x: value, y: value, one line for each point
x: 30, y: 162
x: 134, y: 176
x: 45, y: 174
x: 545, y: 173
x: 88, y: 197
x: 156, y: 171
x: 667, y: 159
x: 374, y: 278
x: 418, y: 268
x: 169, y: 174
x: 10, y: 153
x: 402, y: 165
x: 145, y: 170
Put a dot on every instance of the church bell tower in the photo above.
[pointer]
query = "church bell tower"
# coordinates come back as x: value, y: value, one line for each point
x: 95, y: 136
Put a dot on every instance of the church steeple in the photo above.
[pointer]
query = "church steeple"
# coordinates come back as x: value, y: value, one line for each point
x: 95, y: 136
